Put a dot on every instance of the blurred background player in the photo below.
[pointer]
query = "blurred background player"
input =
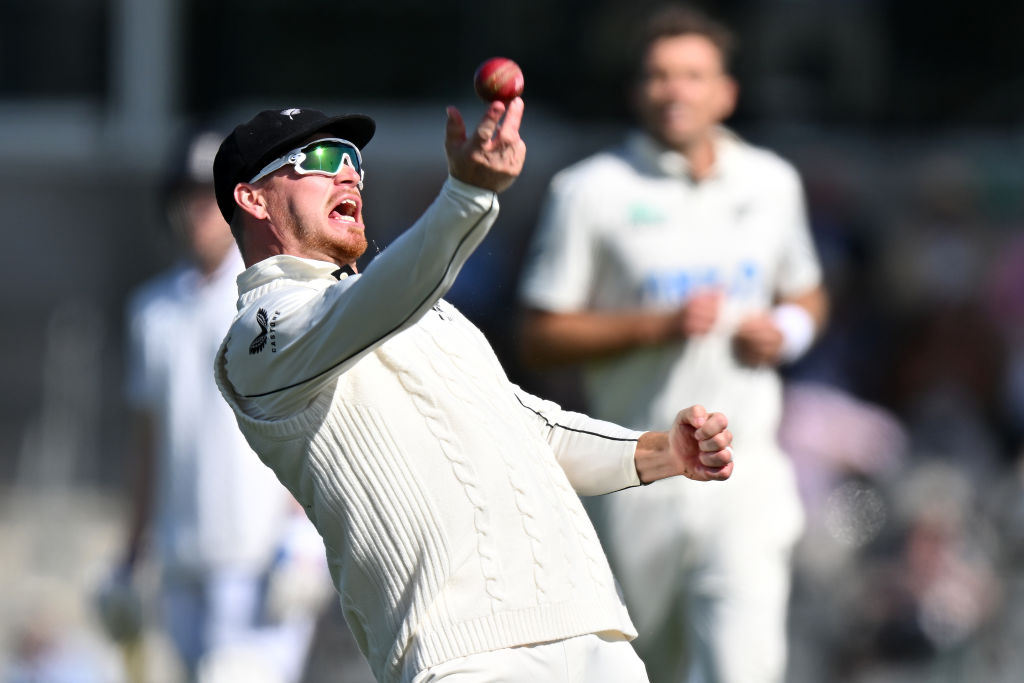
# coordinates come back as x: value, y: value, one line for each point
x: 243, y: 572
x: 679, y: 268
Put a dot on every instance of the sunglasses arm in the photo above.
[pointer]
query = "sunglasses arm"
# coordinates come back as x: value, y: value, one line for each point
x: 273, y: 166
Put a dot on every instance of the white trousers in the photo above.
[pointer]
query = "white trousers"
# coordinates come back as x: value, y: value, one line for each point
x: 593, y: 658
x: 705, y: 570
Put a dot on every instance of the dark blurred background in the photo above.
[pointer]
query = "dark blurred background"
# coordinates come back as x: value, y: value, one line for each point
x: 905, y: 118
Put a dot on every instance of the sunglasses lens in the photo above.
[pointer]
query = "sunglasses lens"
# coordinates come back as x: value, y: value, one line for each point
x: 329, y: 157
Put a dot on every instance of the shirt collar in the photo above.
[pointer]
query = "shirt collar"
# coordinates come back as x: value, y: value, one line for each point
x: 287, y: 267
x: 673, y: 164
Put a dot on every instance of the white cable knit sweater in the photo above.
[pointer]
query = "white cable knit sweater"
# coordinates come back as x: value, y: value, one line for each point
x: 446, y: 495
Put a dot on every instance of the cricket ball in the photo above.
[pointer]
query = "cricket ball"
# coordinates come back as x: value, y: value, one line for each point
x: 498, y: 78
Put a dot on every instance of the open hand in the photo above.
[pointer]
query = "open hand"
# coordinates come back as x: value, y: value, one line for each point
x: 492, y: 157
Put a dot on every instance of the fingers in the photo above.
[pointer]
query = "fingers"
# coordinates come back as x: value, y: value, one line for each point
x: 455, y: 129
x: 710, y: 299
x: 492, y: 155
x: 713, y: 425
x: 706, y: 424
x: 708, y: 427
x: 718, y: 473
x: 758, y: 332
x: 493, y: 126
x: 509, y: 130
x: 712, y: 459
x: 715, y: 449
x: 490, y: 122
x: 717, y: 459
x: 716, y: 443
x: 700, y: 313
x: 693, y: 416
x: 756, y: 347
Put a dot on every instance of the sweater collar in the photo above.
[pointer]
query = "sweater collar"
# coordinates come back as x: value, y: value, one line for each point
x: 286, y: 267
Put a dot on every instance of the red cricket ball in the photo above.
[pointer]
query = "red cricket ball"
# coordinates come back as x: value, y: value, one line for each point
x: 498, y: 78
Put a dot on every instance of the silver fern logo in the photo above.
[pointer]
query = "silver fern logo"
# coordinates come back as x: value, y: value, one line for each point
x: 261, y: 339
x: 443, y: 314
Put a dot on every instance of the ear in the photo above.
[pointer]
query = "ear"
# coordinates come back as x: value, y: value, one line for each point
x: 730, y: 90
x: 250, y: 200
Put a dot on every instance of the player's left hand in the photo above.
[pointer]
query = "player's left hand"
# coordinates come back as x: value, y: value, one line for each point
x: 696, y: 446
x: 492, y: 156
x: 758, y: 341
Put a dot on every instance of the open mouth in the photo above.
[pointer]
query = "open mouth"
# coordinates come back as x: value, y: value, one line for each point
x: 346, y: 211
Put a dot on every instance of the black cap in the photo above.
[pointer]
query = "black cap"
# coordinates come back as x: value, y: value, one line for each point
x: 271, y: 133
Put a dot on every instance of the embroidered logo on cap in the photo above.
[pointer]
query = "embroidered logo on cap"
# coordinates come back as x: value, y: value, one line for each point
x: 290, y: 113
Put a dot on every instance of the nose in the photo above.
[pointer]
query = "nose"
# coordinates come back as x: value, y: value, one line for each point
x: 348, y: 176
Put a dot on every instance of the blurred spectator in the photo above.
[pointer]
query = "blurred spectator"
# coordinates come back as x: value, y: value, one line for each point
x: 832, y: 436
x: 679, y: 267
x: 928, y: 586
x: 50, y: 643
x: 844, y: 451
x: 945, y: 372
x: 1005, y: 306
x: 844, y: 223
x: 243, y: 571
x: 938, y: 245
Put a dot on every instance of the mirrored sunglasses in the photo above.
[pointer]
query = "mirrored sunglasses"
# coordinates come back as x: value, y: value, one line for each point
x: 325, y: 157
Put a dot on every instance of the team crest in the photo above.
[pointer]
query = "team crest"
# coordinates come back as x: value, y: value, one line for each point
x: 441, y: 312
x: 261, y: 339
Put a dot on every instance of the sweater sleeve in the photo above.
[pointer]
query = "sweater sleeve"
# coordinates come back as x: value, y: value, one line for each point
x: 597, y: 456
x: 320, y: 334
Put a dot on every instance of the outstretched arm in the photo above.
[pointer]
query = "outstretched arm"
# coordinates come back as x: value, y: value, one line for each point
x: 599, y: 457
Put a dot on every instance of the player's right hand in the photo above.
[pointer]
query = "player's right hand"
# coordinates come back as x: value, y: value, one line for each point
x: 699, y: 313
x: 493, y: 156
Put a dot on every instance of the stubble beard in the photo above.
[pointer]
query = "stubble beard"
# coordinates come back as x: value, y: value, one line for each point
x: 344, y: 251
x: 342, y: 247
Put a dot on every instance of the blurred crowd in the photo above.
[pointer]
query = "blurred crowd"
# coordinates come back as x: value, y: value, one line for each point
x: 905, y: 424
